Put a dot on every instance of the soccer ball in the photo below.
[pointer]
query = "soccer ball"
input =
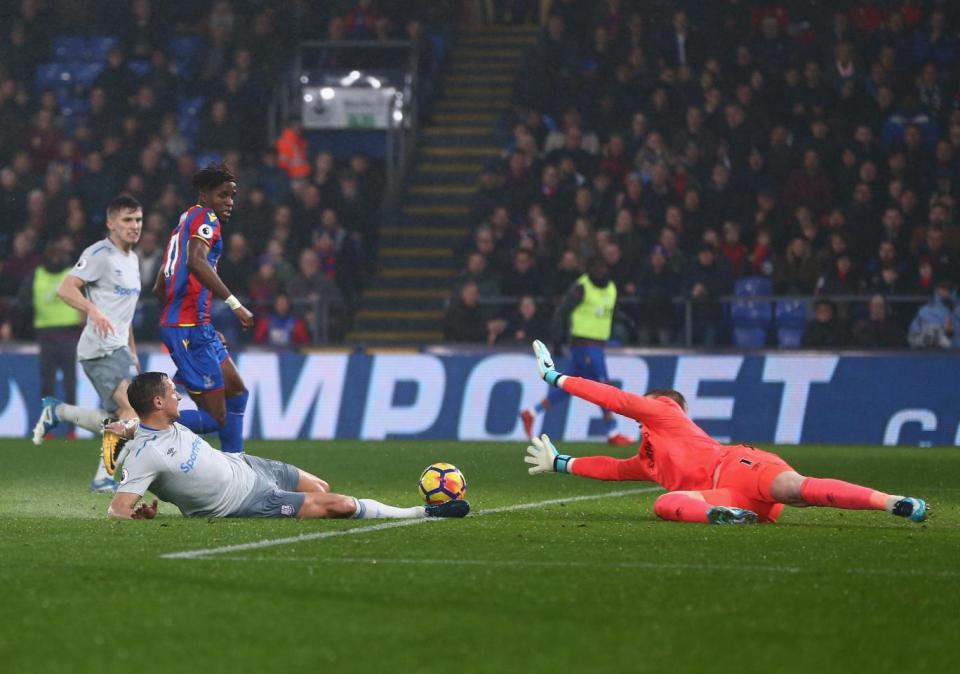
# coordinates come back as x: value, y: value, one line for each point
x: 442, y: 482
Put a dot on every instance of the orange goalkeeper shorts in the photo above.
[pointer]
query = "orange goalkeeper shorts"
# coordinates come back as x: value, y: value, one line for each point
x: 748, y: 474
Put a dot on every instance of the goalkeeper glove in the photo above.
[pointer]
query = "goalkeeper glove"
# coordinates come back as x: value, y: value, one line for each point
x: 545, y: 363
x: 544, y: 458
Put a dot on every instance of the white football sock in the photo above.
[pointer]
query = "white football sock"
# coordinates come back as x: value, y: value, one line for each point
x: 84, y: 417
x: 368, y: 509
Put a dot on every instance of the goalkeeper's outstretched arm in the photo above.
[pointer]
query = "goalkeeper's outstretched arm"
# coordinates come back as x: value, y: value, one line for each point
x: 637, y: 407
x: 543, y: 457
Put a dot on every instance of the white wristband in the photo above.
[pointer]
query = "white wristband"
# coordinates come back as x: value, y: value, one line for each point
x: 233, y: 303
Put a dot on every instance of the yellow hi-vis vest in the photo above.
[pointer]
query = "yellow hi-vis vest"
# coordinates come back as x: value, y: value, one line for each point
x: 593, y: 317
x: 49, y: 311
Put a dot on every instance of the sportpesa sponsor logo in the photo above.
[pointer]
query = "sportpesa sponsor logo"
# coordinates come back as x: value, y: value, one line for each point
x: 120, y: 290
x: 188, y: 465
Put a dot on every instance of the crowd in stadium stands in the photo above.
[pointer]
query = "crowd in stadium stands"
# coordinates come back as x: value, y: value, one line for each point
x: 815, y: 145
x: 98, y: 98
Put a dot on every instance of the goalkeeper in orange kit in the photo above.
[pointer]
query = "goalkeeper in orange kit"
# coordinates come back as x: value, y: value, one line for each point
x: 705, y: 481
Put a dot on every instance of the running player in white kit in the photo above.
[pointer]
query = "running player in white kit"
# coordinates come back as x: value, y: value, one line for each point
x: 179, y: 466
x: 104, y: 283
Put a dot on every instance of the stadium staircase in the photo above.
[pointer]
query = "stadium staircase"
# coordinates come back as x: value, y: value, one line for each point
x: 404, y: 304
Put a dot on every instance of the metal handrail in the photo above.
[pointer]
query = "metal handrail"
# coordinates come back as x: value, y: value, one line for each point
x: 689, y: 303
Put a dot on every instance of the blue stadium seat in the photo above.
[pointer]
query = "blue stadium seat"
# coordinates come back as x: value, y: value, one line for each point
x: 750, y: 313
x: 188, y: 117
x: 185, y: 49
x: 69, y: 48
x: 789, y: 338
x: 139, y: 67
x: 753, y: 285
x: 751, y: 338
x: 791, y: 313
x: 52, y: 76
x: 208, y: 158
x: 790, y: 317
x: 98, y: 46
x: 85, y: 74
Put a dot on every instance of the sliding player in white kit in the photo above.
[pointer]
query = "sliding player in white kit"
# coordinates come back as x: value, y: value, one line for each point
x: 105, y: 284
x: 179, y: 466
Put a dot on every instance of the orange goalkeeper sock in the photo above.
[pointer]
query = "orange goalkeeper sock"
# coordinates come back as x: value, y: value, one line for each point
x: 678, y: 507
x: 839, y: 494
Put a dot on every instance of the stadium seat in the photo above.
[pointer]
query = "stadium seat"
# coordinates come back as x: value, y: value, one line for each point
x: 750, y: 321
x: 753, y: 285
x: 185, y: 49
x: 207, y: 158
x: 98, y: 46
x: 751, y: 338
x: 188, y: 117
x: 790, y: 317
x: 791, y: 313
x: 52, y: 76
x: 85, y: 74
x: 789, y: 338
x: 139, y: 67
x: 70, y: 48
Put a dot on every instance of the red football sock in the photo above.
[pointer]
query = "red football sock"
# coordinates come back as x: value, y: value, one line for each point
x: 839, y: 494
x: 679, y: 507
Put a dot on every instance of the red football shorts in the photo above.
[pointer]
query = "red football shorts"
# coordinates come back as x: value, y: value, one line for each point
x: 744, y: 481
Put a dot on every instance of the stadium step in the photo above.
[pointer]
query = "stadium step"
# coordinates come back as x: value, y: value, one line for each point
x: 401, y: 314
x: 394, y: 337
x: 460, y: 130
x: 473, y: 104
x: 399, y: 294
x: 435, y: 209
x: 468, y: 168
x: 479, y: 91
x: 444, y: 190
x: 472, y: 151
x: 465, y: 117
x: 420, y: 248
x: 475, y: 65
x: 503, y: 41
x: 471, y: 79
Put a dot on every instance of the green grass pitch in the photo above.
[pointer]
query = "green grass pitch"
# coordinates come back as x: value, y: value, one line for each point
x: 583, y: 585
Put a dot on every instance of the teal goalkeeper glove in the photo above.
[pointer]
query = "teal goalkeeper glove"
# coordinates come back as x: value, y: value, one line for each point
x: 545, y: 363
x: 543, y: 457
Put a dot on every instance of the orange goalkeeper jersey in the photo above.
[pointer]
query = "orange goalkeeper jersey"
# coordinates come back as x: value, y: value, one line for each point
x: 674, y: 452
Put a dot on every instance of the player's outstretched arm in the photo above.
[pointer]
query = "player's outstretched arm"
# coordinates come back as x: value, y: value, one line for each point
x: 199, y: 266
x: 124, y: 507
x: 611, y: 398
x: 544, y: 458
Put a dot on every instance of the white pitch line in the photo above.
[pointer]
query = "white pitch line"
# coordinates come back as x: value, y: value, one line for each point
x: 647, y: 566
x: 393, y: 524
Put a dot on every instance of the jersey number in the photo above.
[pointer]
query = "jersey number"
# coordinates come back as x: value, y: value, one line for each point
x: 173, y: 250
x: 173, y: 254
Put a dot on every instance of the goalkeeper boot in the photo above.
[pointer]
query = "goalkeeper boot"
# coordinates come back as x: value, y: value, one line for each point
x: 527, y: 418
x: 914, y: 509
x: 457, y: 508
x: 111, y: 446
x: 48, y: 419
x: 620, y: 440
x: 727, y: 515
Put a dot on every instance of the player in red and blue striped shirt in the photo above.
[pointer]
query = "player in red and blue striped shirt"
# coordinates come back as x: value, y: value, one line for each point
x: 187, y: 284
